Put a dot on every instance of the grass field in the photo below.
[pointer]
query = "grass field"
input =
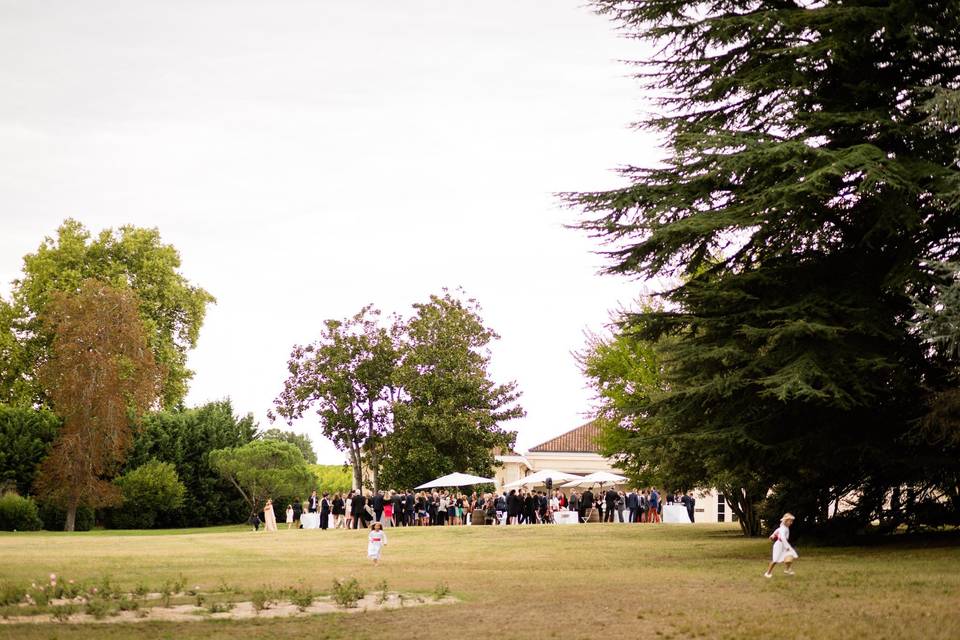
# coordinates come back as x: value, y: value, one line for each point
x: 592, y: 581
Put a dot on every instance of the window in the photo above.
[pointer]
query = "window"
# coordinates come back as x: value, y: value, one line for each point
x: 721, y: 507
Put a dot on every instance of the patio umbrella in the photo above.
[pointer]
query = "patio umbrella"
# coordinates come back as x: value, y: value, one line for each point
x: 540, y: 476
x: 599, y: 477
x: 455, y: 480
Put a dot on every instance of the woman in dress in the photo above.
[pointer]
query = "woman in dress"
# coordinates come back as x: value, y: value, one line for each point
x: 375, y: 542
x: 783, y: 551
x: 324, y: 510
x: 337, y: 511
x: 269, y: 517
x: 289, y: 516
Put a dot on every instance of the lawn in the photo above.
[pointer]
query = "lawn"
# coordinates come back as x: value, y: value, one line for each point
x: 591, y: 581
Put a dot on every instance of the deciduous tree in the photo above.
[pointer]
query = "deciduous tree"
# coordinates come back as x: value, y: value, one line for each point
x: 100, y: 374
x: 170, y: 307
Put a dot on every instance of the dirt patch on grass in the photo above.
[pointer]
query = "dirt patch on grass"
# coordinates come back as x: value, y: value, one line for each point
x: 242, y: 610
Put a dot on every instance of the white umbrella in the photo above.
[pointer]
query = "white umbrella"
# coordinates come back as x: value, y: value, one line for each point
x: 599, y: 477
x: 455, y: 480
x: 540, y: 476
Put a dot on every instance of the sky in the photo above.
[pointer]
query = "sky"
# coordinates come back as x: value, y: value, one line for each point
x: 308, y: 158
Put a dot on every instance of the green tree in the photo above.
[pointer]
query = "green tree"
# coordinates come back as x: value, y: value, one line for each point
x: 333, y: 478
x: 171, y: 308
x: 805, y: 200
x: 301, y: 441
x: 148, y: 490
x: 348, y: 378
x: 99, y: 374
x: 25, y: 439
x: 627, y: 374
x: 449, y: 418
x: 185, y: 437
x: 263, y: 469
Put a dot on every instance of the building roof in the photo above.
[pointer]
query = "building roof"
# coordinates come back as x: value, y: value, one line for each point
x: 583, y: 439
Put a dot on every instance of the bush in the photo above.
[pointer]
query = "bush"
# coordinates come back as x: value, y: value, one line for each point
x: 18, y: 513
x: 54, y: 518
x: 150, y: 489
x: 347, y: 592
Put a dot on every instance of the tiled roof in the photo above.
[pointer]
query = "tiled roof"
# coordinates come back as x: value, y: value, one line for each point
x: 583, y: 439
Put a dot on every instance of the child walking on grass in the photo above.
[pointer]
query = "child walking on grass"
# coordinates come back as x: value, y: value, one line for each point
x: 782, y: 550
x: 376, y: 540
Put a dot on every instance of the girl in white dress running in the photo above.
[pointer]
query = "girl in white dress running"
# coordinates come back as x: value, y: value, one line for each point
x: 375, y: 541
x: 782, y: 550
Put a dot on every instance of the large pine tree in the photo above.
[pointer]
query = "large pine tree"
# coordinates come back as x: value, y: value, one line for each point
x: 806, y: 197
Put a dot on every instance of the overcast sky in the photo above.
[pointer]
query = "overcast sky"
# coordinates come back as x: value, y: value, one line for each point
x: 307, y: 158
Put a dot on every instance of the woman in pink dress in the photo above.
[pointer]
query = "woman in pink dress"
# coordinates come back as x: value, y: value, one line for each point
x: 269, y: 517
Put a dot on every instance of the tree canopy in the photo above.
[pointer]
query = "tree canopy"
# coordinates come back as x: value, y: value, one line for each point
x: 264, y: 469
x: 170, y: 307
x: 805, y: 202
x: 99, y: 374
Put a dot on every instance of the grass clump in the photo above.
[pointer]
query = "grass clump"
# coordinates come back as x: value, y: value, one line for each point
x: 219, y: 607
x: 441, y: 591
x: 98, y: 608
x: 347, y: 592
x: 11, y: 594
x: 62, y: 613
x: 383, y: 592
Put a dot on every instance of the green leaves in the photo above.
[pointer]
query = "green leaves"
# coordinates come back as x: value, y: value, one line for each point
x: 264, y: 468
x: 171, y: 308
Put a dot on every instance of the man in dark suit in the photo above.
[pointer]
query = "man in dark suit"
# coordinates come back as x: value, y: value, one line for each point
x: 378, y: 507
x: 397, y: 509
x: 409, y: 507
x: 586, y: 504
x: 611, y: 499
x: 313, y: 503
x: 689, y: 502
x: 357, y: 510
x: 633, y: 504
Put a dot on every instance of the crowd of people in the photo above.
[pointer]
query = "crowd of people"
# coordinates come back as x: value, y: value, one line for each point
x: 358, y: 509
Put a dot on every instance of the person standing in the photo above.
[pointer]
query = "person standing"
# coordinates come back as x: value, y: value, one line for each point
x: 297, y: 512
x: 356, y: 508
x: 574, y: 503
x: 313, y: 503
x: 398, y: 501
x: 269, y: 517
x: 377, y: 503
x: 633, y: 504
x: 691, y: 504
x: 289, y: 516
x: 337, y: 510
x: 611, y: 499
x: 654, y: 512
x: 782, y: 550
x: 325, y: 511
x: 586, y: 505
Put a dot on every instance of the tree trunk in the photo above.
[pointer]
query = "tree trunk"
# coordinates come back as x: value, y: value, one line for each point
x: 741, y: 504
x: 71, y: 521
x: 357, y: 462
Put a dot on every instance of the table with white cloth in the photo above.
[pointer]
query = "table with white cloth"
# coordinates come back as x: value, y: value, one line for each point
x: 675, y: 513
x: 312, y: 520
x: 566, y: 517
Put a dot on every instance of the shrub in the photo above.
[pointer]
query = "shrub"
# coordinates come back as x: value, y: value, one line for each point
x: 98, y: 608
x: 150, y: 489
x: 219, y: 607
x: 11, y: 594
x: 261, y: 599
x: 54, y: 518
x: 62, y: 613
x: 302, y: 598
x: 18, y: 513
x: 347, y: 593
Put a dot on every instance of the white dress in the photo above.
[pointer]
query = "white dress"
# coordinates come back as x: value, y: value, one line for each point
x: 782, y: 549
x: 375, y: 543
